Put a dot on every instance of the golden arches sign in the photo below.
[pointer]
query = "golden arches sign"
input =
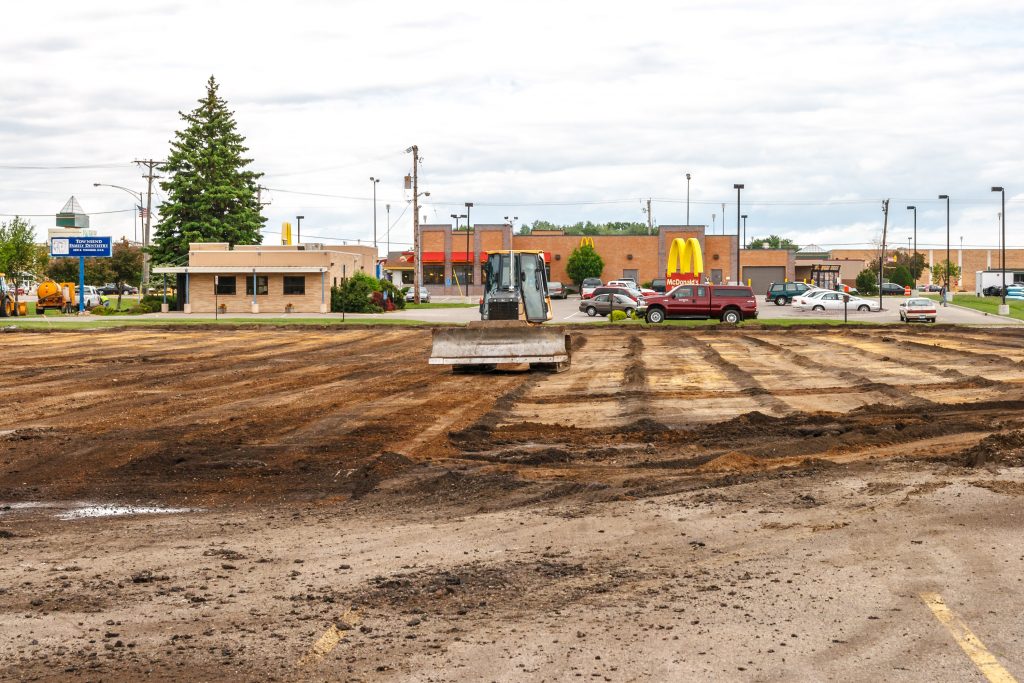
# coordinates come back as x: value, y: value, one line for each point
x: 587, y: 242
x: 685, y: 256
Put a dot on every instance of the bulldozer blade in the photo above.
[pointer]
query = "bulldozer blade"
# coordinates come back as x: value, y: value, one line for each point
x: 496, y: 344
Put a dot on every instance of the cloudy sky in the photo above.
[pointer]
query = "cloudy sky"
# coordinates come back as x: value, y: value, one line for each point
x: 555, y: 110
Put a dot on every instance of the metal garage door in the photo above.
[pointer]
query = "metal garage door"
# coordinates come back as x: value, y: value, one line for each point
x: 762, y: 276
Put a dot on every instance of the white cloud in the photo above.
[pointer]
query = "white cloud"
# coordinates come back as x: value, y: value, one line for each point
x: 526, y: 102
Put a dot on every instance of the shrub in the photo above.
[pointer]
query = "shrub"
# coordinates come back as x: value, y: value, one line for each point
x: 902, y: 276
x: 867, y: 282
x: 354, y: 294
x: 616, y: 316
x: 153, y: 301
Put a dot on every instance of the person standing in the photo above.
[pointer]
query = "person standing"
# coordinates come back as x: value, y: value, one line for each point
x: 942, y: 294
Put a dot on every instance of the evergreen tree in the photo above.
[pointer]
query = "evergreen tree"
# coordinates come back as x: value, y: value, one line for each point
x: 210, y: 195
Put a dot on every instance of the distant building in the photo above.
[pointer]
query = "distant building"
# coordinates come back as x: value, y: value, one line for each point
x: 72, y: 221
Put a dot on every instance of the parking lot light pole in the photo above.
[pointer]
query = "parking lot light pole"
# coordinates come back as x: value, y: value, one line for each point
x: 1003, y: 308
x: 374, y: 181
x: 738, y: 187
x: 914, y: 209
x: 687, y: 198
x: 946, y: 197
x: 744, y: 217
x: 298, y: 229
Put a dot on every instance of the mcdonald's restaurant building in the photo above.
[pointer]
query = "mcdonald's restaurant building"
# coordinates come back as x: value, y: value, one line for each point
x: 452, y: 259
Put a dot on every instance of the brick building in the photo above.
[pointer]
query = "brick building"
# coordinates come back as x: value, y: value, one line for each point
x: 449, y: 268
x: 264, y: 278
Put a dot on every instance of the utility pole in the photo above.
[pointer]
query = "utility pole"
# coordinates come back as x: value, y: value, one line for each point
x: 387, y: 235
x: 881, y: 258
x: 259, y: 196
x: 650, y: 219
x: 150, y: 176
x: 415, y: 222
x: 723, y: 218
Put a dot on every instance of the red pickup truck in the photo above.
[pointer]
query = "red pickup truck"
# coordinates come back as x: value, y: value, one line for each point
x: 729, y: 303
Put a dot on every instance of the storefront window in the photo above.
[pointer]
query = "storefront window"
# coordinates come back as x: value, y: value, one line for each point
x: 407, y: 277
x: 433, y: 275
x: 295, y: 284
x: 225, y: 285
x: 463, y: 273
x: 261, y: 285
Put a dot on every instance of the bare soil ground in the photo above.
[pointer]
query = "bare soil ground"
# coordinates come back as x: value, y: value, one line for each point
x: 678, y: 505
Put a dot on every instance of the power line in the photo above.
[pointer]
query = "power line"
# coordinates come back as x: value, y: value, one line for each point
x: 52, y: 214
x: 27, y: 167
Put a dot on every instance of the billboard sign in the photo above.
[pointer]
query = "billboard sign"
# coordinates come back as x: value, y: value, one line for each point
x: 89, y: 247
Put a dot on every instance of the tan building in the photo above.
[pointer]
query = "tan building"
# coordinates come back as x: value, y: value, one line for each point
x: 264, y: 278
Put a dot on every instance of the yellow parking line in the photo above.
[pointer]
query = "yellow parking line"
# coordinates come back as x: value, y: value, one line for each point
x: 968, y: 642
x: 329, y: 640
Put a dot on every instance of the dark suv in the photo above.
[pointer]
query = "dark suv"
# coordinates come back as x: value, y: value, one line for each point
x: 891, y: 288
x: 782, y: 293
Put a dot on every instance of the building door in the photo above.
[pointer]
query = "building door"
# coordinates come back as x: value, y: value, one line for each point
x: 631, y: 274
x: 716, y: 276
x: 762, y: 276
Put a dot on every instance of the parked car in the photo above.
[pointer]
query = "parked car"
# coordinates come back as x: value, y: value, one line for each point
x: 729, y: 303
x: 631, y: 293
x: 804, y: 299
x: 588, y: 287
x: 110, y: 289
x: 892, y: 288
x: 935, y: 288
x: 918, y: 309
x: 782, y: 293
x: 556, y: 290
x: 600, y: 304
x: 410, y: 296
x: 834, y: 301
x: 658, y: 285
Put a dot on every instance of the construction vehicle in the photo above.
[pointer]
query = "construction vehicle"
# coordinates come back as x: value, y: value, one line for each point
x: 509, y: 334
x: 7, y: 305
x: 57, y: 297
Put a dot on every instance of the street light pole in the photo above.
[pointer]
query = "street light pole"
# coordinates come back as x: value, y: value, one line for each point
x: 946, y: 197
x: 738, y: 187
x: 133, y: 193
x: 469, y: 205
x: 374, y: 181
x: 1003, y: 308
x: 298, y: 229
x: 744, y: 217
x: 687, y: 199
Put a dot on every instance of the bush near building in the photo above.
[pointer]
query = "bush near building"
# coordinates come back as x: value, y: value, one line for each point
x: 584, y: 262
x: 867, y: 282
x: 364, y: 293
x: 903, y: 276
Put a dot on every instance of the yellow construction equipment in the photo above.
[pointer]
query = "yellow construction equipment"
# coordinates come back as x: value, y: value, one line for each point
x: 509, y: 334
x: 7, y: 307
x: 57, y: 297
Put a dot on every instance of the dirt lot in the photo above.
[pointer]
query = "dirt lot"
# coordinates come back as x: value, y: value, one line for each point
x: 679, y: 505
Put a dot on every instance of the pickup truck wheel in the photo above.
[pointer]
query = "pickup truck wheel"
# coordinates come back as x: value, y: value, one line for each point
x: 655, y: 315
x: 780, y: 301
x: 818, y: 308
x: 591, y: 311
x: 731, y: 317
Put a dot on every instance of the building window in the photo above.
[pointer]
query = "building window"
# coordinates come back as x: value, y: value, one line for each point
x: 463, y: 273
x: 294, y: 284
x: 716, y: 276
x: 407, y: 277
x: 433, y: 275
x: 261, y: 285
x: 225, y: 285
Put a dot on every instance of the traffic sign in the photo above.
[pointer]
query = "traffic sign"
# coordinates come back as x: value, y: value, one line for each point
x: 81, y: 247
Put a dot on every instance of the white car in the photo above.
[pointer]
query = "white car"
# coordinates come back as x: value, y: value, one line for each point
x: 804, y: 300
x: 632, y: 286
x: 834, y: 301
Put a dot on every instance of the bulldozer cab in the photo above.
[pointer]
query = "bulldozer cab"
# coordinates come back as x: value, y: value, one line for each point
x: 515, y: 287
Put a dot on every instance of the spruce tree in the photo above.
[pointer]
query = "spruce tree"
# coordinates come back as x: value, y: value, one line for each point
x: 211, y: 197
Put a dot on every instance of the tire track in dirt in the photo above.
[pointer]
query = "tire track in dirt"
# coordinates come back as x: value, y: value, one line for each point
x: 747, y: 382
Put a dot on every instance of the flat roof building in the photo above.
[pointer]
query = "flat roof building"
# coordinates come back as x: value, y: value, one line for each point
x: 264, y: 278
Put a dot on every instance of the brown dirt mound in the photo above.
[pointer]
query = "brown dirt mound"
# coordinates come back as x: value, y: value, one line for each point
x: 731, y: 462
x: 384, y: 466
x: 1005, y: 449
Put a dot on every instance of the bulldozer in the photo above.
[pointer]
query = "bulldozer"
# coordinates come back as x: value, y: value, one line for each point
x: 509, y: 334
